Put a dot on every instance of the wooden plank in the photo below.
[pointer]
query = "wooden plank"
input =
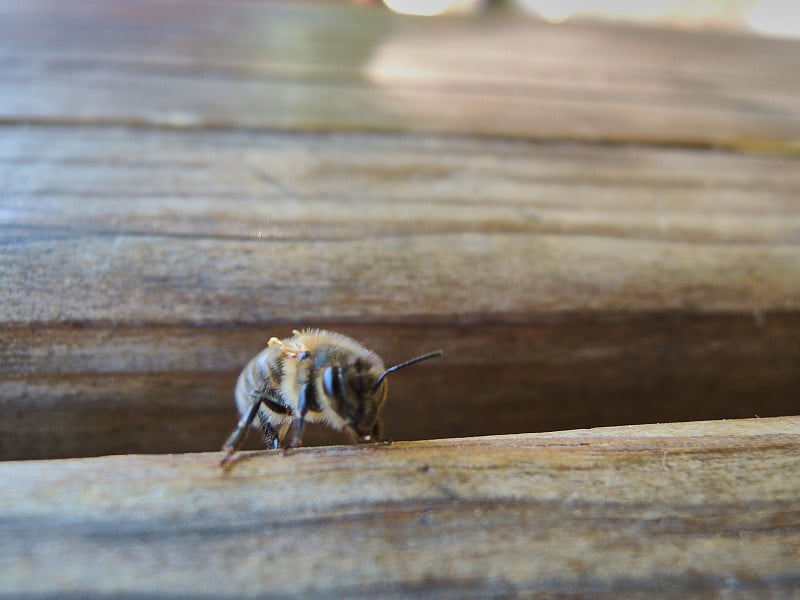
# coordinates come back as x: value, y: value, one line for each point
x: 267, y: 241
x: 701, y: 509
x: 304, y: 67
x: 99, y: 389
x: 569, y: 285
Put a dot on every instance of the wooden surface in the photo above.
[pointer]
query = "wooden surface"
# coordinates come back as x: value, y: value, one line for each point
x: 188, y: 63
x: 582, y: 217
x: 567, y: 299
x: 702, y: 510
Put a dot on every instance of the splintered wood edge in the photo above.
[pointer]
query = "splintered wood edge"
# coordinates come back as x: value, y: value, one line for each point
x: 701, y: 431
x: 658, y: 437
x: 788, y: 425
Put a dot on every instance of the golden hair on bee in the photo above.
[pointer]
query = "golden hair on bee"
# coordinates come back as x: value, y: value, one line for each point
x: 312, y: 376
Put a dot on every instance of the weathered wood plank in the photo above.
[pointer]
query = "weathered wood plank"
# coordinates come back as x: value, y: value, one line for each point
x: 297, y: 66
x: 701, y: 509
x: 568, y: 285
x: 253, y: 251
x: 248, y: 184
x: 99, y: 389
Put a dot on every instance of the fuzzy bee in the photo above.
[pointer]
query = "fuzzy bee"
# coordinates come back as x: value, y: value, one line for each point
x: 312, y: 376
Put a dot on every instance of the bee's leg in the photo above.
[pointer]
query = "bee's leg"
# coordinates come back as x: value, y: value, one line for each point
x: 271, y: 438
x: 236, y: 439
x: 377, y: 434
x: 374, y: 436
x: 302, y: 409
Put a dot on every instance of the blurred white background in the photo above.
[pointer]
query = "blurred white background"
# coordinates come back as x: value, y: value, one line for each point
x: 764, y: 17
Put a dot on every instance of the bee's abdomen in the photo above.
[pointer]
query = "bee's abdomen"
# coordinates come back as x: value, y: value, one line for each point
x: 262, y: 376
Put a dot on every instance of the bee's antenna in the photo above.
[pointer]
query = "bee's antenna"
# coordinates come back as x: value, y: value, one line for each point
x: 407, y: 363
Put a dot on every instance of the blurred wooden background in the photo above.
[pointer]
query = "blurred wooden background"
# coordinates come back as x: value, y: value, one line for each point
x: 599, y: 225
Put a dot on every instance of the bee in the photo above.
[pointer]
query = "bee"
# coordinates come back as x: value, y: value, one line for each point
x: 312, y: 376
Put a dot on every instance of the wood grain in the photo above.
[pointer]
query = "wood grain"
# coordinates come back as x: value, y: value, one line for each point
x: 77, y: 391
x: 598, y: 225
x: 569, y: 285
x: 201, y: 225
x: 156, y: 228
x: 701, y: 509
x: 296, y: 66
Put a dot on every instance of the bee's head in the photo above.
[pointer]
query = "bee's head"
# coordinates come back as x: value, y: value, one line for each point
x: 357, y: 391
x: 355, y: 394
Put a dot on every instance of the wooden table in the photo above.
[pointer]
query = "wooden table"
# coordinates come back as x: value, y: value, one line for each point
x: 599, y: 226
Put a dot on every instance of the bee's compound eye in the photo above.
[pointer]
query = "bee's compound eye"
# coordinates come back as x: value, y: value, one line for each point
x: 327, y: 381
